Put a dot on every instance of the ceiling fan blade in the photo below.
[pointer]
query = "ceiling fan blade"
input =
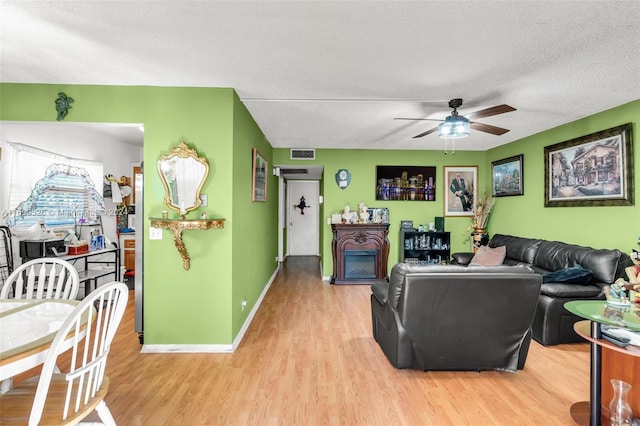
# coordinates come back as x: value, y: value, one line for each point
x: 425, y: 133
x: 421, y: 119
x: 487, y: 128
x: 499, y: 109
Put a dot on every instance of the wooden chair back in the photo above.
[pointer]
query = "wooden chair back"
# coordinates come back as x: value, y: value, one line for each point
x: 42, y: 278
x: 80, y: 387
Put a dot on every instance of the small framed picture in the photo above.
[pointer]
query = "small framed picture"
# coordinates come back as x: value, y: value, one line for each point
x: 406, y: 224
x: 259, y: 178
x: 378, y: 215
x: 507, y: 177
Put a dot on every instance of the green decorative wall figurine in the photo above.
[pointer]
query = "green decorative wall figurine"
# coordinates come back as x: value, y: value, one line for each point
x: 63, y: 104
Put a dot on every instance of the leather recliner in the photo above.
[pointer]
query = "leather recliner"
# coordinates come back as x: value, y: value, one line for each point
x: 448, y: 317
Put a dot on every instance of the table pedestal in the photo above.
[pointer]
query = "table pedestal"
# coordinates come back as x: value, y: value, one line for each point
x: 608, y: 361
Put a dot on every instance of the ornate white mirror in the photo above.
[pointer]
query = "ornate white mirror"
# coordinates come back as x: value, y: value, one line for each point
x: 183, y: 173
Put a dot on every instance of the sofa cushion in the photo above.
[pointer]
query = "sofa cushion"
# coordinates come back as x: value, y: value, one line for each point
x: 574, y: 275
x: 554, y: 255
x: 565, y: 290
x: 488, y: 256
x: 519, y: 249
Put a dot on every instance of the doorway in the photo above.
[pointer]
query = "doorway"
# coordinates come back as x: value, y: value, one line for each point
x: 308, y: 178
x: 302, y: 218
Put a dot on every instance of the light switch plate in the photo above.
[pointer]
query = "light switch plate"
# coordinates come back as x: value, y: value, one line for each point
x: 155, y: 233
x: 205, y: 200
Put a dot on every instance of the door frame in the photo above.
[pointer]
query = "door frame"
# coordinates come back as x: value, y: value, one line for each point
x: 316, y: 175
x: 315, y: 212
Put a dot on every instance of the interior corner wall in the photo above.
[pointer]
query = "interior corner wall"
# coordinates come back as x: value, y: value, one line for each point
x: 362, y: 166
x: 255, y: 238
x: 598, y: 226
x: 180, y: 307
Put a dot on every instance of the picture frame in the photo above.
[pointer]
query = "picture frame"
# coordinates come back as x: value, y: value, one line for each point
x: 259, y: 177
x: 591, y: 170
x: 378, y: 215
x: 406, y: 183
x: 507, y: 176
x: 406, y: 224
x: 460, y: 197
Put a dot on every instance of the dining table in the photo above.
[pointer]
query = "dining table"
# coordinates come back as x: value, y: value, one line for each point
x: 27, y: 329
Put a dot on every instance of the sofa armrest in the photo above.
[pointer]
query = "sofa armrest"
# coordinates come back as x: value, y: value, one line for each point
x: 462, y: 258
x: 566, y: 290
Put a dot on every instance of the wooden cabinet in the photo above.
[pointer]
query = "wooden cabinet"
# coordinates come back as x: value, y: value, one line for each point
x: 621, y: 364
x: 128, y: 245
x: 424, y: 247
x: 137, y: 181
x: 360, y: 253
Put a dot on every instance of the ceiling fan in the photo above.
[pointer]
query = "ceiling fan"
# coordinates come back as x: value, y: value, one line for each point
x: 456, y: 121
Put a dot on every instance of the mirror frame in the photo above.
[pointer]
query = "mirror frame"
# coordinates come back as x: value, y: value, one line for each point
x: 183, y: 151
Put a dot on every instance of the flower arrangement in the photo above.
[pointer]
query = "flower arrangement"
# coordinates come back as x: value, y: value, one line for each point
x: 481, y: 212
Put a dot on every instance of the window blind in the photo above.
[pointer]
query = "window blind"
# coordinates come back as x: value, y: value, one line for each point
x: 54, y: 189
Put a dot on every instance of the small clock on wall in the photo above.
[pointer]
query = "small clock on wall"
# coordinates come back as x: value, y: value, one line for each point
x: 343, y: 178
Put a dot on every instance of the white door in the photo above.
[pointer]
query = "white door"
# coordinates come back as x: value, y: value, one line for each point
x: 302, y: 224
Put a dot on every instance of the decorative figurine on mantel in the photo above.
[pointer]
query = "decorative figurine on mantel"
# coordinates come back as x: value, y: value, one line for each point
x: 363, y: 213
x: 347, y: 214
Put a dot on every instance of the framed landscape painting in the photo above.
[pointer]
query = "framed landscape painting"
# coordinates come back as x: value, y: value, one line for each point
x: 507, y: 177
x: 461, y: 190
x: 592, y: 170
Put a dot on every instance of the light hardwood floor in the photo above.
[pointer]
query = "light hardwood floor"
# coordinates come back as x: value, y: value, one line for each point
x: 309, y: 359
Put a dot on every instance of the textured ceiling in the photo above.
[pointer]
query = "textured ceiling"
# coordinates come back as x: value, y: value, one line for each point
x: 319, y: 74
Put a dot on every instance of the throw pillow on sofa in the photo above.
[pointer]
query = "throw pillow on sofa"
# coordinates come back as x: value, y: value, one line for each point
x: 573, y: 275
x: 487, y: 256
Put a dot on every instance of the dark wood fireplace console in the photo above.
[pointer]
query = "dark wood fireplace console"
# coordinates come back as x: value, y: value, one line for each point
x: 369, y: 240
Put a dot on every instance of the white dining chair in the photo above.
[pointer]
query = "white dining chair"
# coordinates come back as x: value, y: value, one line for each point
x: 42, y: 278
x: 69, y: 396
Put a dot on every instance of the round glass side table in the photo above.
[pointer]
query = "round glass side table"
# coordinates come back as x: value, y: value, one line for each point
x: 599, y: 312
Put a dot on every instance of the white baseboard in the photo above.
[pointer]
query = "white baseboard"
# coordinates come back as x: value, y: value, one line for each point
x: 158, y: 349
x: 149, y: 349
x: 247, y: 323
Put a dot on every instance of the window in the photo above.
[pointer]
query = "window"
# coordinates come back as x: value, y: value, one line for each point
x: 53, y: 189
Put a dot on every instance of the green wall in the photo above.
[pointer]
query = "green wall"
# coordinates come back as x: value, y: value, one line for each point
x: 199, y: 306
x: 203, y: 305
x: 601, y: 227
x: 255, y: 238
x: 362, y: 166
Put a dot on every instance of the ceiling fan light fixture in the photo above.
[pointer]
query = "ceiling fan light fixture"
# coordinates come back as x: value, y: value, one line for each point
x: 454, y: 127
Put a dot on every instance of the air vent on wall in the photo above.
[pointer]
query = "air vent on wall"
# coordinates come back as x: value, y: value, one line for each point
x: 303, y: 154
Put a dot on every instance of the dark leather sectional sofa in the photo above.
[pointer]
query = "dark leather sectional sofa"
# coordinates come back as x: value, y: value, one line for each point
x: 553, y: 324
x: 452, y: 317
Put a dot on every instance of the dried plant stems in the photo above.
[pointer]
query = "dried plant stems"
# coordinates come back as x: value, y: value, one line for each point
x: 481, y: 212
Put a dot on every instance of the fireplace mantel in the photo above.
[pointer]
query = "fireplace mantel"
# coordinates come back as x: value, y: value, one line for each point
x: 360, y: 237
